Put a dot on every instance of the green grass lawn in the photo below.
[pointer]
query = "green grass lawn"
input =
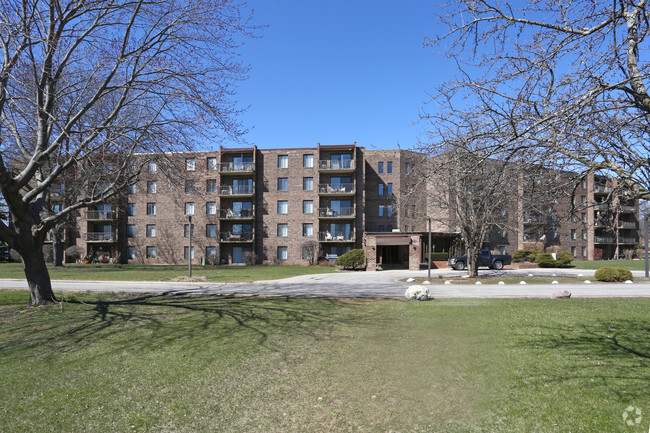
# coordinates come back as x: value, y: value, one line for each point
x: 135, y: 272
x: 239, y: 364
x: 632, y: 265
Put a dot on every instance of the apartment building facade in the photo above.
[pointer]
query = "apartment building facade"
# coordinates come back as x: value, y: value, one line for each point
x: 294, y: 206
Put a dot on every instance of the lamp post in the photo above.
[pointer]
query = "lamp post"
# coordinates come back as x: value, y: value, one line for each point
x: 429, y: 248
x: 645, y: 241
x: 189, y: 251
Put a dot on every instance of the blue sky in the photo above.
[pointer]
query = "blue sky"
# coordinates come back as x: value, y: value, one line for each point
x: 336, y: 72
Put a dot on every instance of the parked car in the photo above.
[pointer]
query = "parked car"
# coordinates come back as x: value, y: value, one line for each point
x: 485, y: 259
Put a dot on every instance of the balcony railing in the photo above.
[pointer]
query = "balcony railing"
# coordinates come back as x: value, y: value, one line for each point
x: 344, y: 212
x: 602, y: 206
x: 101, y: 215
x: 335, y: 164
x: 604, y: 239
x: 627, y: 208
x: 100, y: 237
x: 336, y: 236
x: 235, y: 213
x: 236, y: 167
x: 236, y: 190
x: 602, y: 189
x: 625, y: 240
x: 627, y: 225
x: 342, y: 188
x: 235, y: 237
x: 534, y: 218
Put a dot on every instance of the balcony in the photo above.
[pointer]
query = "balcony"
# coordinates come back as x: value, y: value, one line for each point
x: 604, y: 239
x: 344, y: 212
x: 236, y: 237
x: 236, y: 167
x: 602, y: 189
x: 235, y: 214
x: 101, y: 215
x: 626, y: 240
x: 534, y: 219
x: 626, y: 208
x: 336, y: 236
x: 241, y: 190
x: 332, y: 165
x: 341, y: 189
x: 627, y: 225
x: 602, y: 206
x: 100, y: 237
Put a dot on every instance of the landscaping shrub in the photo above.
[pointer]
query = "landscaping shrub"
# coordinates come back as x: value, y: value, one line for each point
x: 545, y: 260
x: 352, y: 259
x: 524, y: 256
x: 436, y: 257
x: 613, y: 274
x: 74, y: 253
x: 563, y: 259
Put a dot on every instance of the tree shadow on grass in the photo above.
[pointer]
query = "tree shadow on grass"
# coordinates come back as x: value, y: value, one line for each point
x: 614, y: 354
x: 151, y: 321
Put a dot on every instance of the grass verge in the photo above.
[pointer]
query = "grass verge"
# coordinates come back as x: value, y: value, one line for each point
x: 136, y: 272
x: 191, y: 364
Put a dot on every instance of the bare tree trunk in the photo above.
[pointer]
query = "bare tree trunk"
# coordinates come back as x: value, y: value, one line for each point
x: 57, y: 247
x: 472, y: 262
x: 38, y: 277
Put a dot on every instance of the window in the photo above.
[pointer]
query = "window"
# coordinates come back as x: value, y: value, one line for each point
x: 308, y: 161
x: 283, y: 230
x: 583, y: 199
x: 308, y: 229
x: 573, y: 235
x: 212, y: 163
x: 56, y: 208
x: 584, y: 235
x: 406, y: 187
x: 389, y: 228
x: 389, y: 167
x: 151, y: 230
x: 187, y: 252
x: 130, y: 252
x: 151, y: 252
x: 210, y: 230
x: 574, y: 250
x: 381, y: 210
x: 406, y: 168
x: 153, y: 167
x: 380, y: 167
x: 190, y: 164
x: 211, y: 208
x: 211, y: 185
x: 583, y: 217
x: 389, y: 190
x: 130, y: 231
x: 308, y: 206
x: 283, y: 161
x: 151, y: 208
x: 131, y: 189
x: 130, y: 209
x: 283, y: 207
x: 152, y: 187
x: 189, y: 208
x: 583, y: 185
x: 381, y: 227
x: 283, y: 184
x: 186, y: 230
x: 389, y: 209
x: 189, y: 185
x: 381, y: 189
x: 307, y: 183
x: 282, y: 253
x: 211, y: 252
x: 584, y: 251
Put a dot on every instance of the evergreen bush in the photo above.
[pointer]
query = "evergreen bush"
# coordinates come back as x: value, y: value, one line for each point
x: 352, y: 259
x: 613, y: 274
x: 524, y: 256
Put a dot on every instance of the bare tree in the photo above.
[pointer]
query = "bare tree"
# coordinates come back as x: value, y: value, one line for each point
x: 86, y: 85
x: 310, y: 249
x: 568, y: 78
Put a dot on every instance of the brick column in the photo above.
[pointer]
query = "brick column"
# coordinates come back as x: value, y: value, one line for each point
x: 415, y: 253
x: 370, y: 251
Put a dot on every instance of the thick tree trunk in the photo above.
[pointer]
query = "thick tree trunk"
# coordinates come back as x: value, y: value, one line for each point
x: 57, y: 247
x: 38, y: 277
x: 472, y: 262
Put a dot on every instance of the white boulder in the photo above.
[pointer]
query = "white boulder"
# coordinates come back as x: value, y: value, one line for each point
x: 410, y: 280
x: 417, y: 293
x: 560, y: 294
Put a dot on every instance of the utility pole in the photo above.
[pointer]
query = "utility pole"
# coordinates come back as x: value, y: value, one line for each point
x: 645, y: 241
x: 429, y: 247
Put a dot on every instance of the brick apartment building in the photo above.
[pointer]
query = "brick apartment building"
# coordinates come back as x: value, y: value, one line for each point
x: 292, y: 206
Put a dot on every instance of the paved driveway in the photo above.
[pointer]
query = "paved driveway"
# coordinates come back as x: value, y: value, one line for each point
x: 365, y: 284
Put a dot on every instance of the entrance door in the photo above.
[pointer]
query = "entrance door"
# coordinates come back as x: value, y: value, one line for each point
x: 237, y: 255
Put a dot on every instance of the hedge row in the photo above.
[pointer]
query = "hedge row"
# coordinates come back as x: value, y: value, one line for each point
x: 544, y: 260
